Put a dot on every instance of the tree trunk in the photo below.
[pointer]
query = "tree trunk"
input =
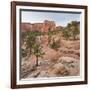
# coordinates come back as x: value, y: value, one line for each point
x: 29, y: 54
x: 36, y: 61
x: 30, y: 51
x: 74, y: 38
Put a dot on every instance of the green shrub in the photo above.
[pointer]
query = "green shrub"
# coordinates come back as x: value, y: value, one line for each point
x: 55, y: 45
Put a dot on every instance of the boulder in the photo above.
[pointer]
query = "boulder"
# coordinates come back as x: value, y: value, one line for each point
x: 72, y: 65
x: 58, y: 70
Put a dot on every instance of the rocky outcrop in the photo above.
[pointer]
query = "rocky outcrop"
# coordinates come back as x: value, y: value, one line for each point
x: 72, y: 65
x: 41, y: 27
x: 25, y: 27
x: 37, y: 27
x: 58, y: 70
x: 65, y: 61
x: 49, y: 25
x: 50, y: 54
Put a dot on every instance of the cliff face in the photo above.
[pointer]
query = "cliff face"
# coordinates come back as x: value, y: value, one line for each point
x: 41, y: 27
x: 26, y: 27
x: 49, y: 25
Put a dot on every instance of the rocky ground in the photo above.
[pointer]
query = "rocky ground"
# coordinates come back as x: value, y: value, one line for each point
x: 64, y: 62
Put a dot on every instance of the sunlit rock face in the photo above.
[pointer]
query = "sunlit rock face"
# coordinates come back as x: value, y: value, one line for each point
x: 49, y: 25
x: 41, y: 27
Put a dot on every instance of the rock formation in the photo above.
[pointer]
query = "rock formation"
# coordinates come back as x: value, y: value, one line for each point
x: 41, y: 27
x: 56, y: 62
x: 26, y: 27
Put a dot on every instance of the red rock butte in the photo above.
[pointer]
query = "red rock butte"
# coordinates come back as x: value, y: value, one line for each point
x: 40, y: 27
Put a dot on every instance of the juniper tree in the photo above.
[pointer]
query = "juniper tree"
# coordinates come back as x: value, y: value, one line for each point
x: 75, y: 29
x: 37, y: 51
x: 55, y: 44
x: 34, y: 46
x: 30, y: 41
x: 71, y: 30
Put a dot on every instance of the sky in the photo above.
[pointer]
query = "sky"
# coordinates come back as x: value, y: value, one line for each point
x: 60, y: 18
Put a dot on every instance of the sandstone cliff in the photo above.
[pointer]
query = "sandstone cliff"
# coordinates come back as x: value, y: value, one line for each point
x: 41, y: 27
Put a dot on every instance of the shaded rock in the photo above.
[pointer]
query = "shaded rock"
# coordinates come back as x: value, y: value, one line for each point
x: 72, y: 65
x: 27, y: 66
x: 34, y: 74
x: 58, y: 70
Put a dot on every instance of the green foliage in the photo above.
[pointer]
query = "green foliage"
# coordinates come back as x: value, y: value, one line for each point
x: 37, y: 51
x: 66, y: 34
x: 55, y: 45
x: 75, y: 29
x: 30, y: 41
x: 23, y: 53
x: 34, y: 47
x: 72, y: 30
x: 24, y: 36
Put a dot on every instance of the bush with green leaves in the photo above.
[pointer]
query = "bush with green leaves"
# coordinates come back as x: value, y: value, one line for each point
x: 37, y: 51
x: 66, y: 33
x: 55, y: 44
x: 30, y: 41
x: 71, y: 30
x: 33, y: 47
x: 23, y: 52
x: 75, y: 29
